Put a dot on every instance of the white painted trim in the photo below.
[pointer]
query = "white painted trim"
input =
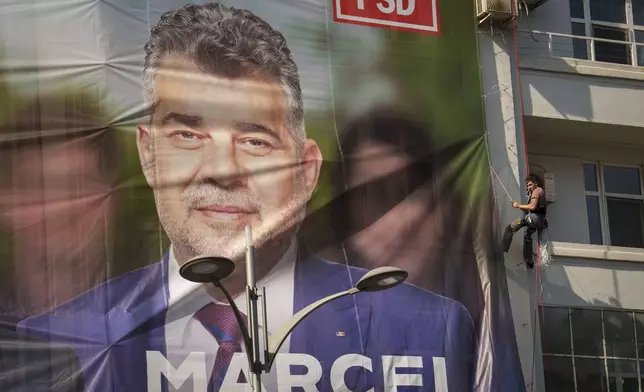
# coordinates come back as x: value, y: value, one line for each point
x: 582, y: 67
x: 434, y: 28
x: 597, y: 252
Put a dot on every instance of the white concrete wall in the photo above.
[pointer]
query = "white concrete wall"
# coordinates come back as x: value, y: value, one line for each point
x: 601, y: 283
x: 583, y: 98
x: 589, y: 151
x: 499, y: 80
x: 554, y: 17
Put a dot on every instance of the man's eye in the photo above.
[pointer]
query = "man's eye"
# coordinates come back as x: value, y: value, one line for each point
x: 187, y: 135
x: 256, y: 147
x: 186, y: 140
x: 257, y: 143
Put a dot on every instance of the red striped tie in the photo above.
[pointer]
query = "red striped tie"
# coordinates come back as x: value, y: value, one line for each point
x: 221, y: 322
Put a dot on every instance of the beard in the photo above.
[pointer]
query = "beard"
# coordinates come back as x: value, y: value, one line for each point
x: 272, y: 231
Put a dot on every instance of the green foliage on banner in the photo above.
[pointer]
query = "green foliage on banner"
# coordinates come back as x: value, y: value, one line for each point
x: 471, y: 171
x: 434, y: 77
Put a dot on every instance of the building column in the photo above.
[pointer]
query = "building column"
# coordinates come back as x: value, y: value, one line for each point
x: 505, y: 144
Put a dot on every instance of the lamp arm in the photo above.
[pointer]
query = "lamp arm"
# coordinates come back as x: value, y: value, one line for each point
x: 277, y: 339
x: 240, y: 321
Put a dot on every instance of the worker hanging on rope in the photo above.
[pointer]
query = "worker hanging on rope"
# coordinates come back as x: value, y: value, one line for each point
x: 534, y: 218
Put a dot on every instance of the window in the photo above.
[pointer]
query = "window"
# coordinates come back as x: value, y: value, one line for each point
x: 639, y: 39
x: 611, y: 52
x: 614, y: 205
x: 638, y: 12
x: 608, y: 10
x: 579, y: 45
x: 617, y: 25
x: 592, y: 350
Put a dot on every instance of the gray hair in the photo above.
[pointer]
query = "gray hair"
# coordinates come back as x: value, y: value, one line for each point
x: 229, y: 42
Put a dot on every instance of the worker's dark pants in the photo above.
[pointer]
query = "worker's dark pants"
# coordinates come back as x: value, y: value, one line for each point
x: 532, y: 222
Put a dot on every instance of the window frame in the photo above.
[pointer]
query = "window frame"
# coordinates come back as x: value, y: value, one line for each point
x: 603, y: 196
x: 604, y: 358
x: 629, y: 27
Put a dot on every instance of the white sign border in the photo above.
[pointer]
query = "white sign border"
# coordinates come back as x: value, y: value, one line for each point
x: 434, y: 28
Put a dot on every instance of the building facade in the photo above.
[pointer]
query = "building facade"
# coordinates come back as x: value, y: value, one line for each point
x: 564, y: 95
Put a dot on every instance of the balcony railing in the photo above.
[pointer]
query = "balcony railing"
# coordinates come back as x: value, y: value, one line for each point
x: 557, y: 45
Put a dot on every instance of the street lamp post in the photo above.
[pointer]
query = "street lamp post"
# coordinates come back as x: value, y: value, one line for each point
x: 213, y: 269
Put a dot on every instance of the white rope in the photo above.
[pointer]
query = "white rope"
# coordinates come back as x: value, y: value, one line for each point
x: 501, y: 182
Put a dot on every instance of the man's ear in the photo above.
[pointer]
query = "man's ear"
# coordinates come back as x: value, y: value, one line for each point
x: 311, y: 164
x: 146, y: 152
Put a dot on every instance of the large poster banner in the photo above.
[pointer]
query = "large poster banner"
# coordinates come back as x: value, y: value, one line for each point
x: 347, y: 135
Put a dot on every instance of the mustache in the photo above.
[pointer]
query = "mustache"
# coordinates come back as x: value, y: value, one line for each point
x: 209, y: 194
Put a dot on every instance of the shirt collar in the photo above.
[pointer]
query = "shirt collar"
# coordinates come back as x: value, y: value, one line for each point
x: 186, y: 297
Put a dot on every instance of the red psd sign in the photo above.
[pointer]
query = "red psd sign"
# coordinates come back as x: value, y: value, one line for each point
x: 408, y: 15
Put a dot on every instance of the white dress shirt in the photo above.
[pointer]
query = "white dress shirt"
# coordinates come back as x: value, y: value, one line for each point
x: 185, y: 334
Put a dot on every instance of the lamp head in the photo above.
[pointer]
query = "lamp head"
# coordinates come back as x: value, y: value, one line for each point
x: 381, y: 278
x: 205, y: 269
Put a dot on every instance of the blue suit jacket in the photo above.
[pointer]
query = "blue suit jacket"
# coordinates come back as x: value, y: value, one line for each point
x: 112, y: 326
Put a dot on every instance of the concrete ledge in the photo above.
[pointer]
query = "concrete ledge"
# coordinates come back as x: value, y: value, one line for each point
x: 597, y: 252
x: 582, y: 67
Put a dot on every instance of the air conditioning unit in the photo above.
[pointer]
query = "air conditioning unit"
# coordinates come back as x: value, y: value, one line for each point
x: 496, y: 10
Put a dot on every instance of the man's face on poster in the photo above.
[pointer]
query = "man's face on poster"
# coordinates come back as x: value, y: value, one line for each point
x: 219, y: 155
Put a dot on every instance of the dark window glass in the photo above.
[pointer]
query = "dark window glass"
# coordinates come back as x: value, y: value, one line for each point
x: 577, y: 9
x: 555, y: 333
x: 587, y: 332
x: 594, y: 220
x: 639, y: 38
x: 622, y: 375
x: 639, y: 327
x: 579, y: 45
x: 590, y: 177
x: 608, y: 10
x: 611, y: 52
x: 638, y: 12
x: 591, y: 375
x: 558, y: 374
x: 624, y: 180
x: 625, y: 222
x: 620, y: 334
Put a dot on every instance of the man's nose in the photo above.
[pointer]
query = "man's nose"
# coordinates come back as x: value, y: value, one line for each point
x: 220, y: 163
